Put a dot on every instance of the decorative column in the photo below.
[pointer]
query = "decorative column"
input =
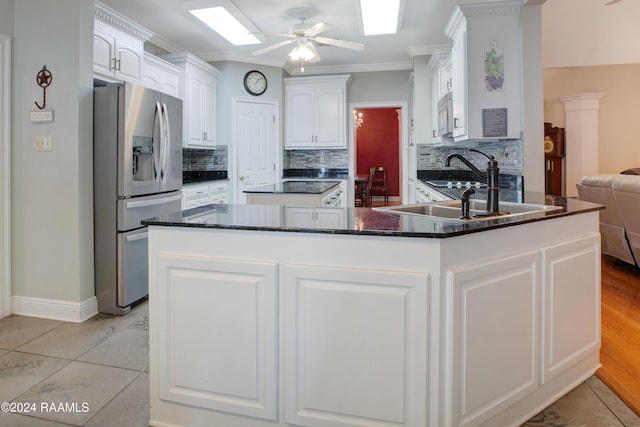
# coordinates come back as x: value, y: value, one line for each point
x: 581, y: 133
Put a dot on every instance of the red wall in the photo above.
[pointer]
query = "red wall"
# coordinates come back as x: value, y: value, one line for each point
x: 377, y: 144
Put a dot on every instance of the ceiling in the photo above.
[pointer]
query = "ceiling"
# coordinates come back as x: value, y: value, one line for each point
x: 421, y: 30
x: 176, y: 30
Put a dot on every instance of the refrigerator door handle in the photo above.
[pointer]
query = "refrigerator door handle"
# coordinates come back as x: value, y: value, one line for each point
x: 165, y: 139
x: 151, y: 202
x: 157, y: 117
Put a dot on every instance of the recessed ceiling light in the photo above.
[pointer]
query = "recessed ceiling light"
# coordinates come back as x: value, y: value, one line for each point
x: 227, y: 20
x: 380, y: 16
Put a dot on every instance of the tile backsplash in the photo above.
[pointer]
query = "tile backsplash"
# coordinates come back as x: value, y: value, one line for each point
x: 194, y: 159
x: 509, y: 154
x: 301, y: 159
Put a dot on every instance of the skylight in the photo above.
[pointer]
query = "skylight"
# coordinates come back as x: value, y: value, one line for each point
x: 380, y: 16
x: 222, y: 20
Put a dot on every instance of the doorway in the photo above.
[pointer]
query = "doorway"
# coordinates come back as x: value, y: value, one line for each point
x: 5, y: 176
x: 255, y: 143
x: 380, y: 140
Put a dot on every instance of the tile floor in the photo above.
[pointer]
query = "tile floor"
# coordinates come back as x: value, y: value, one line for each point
x: 99, y: 372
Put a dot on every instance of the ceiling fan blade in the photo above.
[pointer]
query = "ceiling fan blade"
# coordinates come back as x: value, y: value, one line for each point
x: 340, y: 43
x: 272, y: 47
x: 316, y: 29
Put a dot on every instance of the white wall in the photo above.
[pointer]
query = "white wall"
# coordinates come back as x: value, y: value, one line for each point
x: 52, y: 204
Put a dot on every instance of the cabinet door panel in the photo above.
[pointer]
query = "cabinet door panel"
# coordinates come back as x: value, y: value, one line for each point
x: 494, y: 324
x: 209, y: 113
x: 300, y: 118
x: 355, y: 346
x: 130, y: 62
x: 572, y: 295
x: 195, y: 129
x: 103, y: 53
x: 330, y: 118
x: 235, y: 367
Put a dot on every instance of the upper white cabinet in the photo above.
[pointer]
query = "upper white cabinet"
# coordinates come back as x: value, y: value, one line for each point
x: 486, y: 70
x: 316, y: 112
x: 160, y: 75
x: 440, y: 67
x: 118, y: 46
x: 198, y: 91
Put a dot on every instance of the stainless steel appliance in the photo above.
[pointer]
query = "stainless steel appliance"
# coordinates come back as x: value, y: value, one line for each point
x: 445, y: 115
x: 137, y: 174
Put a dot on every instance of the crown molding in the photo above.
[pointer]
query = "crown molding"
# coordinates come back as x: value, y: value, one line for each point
x: 428, y: 49
x: 115, y: 19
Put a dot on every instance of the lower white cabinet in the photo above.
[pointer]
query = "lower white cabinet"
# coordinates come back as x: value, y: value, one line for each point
x: 494, y: 319
x: 354, y: 346
x: 425, y: 194
x: 277, y: 327
x: 518, y: 322
x: 195, y: 195
x: 234, y: 368
x: 315, y: 217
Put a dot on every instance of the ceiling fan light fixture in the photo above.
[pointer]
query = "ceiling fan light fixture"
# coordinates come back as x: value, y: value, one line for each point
x: 380, y: 16
x: 304, y: 51
x: 227, y: 20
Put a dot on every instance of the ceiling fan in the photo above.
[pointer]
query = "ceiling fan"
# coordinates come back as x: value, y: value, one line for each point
x: 304, y: 35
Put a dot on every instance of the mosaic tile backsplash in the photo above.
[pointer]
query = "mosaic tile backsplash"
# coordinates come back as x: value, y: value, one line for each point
x: 301, y: 159
x: 194, y: 159
x: 510, y: 156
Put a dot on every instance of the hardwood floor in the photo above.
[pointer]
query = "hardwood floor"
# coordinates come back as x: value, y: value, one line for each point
x: 620, y: 351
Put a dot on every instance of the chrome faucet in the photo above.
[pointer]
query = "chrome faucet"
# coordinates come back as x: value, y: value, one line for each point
x: 492, y: 175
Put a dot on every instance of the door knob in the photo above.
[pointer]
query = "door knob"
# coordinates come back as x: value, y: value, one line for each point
x: 242, y: 177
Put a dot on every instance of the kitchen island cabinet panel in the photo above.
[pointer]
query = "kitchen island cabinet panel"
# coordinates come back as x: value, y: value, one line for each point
x: 355, y: 346
x: 494, y: 353
x: 572, y: 294
x: 234, y: 367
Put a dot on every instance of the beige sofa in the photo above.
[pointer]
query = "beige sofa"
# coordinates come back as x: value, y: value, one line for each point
x: 620, y: 221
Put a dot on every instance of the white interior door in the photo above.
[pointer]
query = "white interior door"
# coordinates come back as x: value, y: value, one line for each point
x: 257, y: 148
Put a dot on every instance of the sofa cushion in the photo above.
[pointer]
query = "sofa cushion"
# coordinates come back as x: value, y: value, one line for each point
x: 599, y: 189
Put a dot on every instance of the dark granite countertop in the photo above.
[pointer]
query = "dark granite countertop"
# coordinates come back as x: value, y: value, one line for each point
x: 358, y: 221
x: 295, y: 187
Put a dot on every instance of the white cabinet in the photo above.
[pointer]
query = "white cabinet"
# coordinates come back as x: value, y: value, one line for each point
x: 486, y: 70
x: 118, y: 46
x: 425, y: 194
x: 441, y: 81
x: 489, y: 374
x: 354, y: 346
x: 550, y: 323
x: 219, y: 192
x: 198, y: 90
x: 195, y: 195
x: 315, y: 112
x: 315, y: 218
x: 160, y: 75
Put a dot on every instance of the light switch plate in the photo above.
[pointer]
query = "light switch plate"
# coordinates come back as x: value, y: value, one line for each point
x: 42, y: 143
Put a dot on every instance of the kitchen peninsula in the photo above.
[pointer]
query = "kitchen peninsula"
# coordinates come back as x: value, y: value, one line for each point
x: 385, y: 320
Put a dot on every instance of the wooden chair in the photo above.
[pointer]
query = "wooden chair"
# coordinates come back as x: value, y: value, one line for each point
x: 378, y: 178
x: 360, y: 186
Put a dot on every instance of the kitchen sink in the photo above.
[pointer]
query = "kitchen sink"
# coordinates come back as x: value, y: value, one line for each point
x: 451, y: 210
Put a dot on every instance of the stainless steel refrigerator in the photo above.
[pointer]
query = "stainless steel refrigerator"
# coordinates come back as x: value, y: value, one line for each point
x: 137, y: 150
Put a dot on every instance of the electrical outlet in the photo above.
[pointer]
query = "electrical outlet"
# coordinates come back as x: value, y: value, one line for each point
x: 42, y: 143
x: 322, y: 160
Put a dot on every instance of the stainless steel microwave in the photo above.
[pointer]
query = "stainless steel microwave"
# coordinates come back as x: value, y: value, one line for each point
x: 445, y: 115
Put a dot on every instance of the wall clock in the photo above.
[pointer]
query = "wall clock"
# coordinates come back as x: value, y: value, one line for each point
x: 255, y: 82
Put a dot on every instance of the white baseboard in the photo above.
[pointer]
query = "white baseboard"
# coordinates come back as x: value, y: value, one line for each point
x: 67, y: 311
